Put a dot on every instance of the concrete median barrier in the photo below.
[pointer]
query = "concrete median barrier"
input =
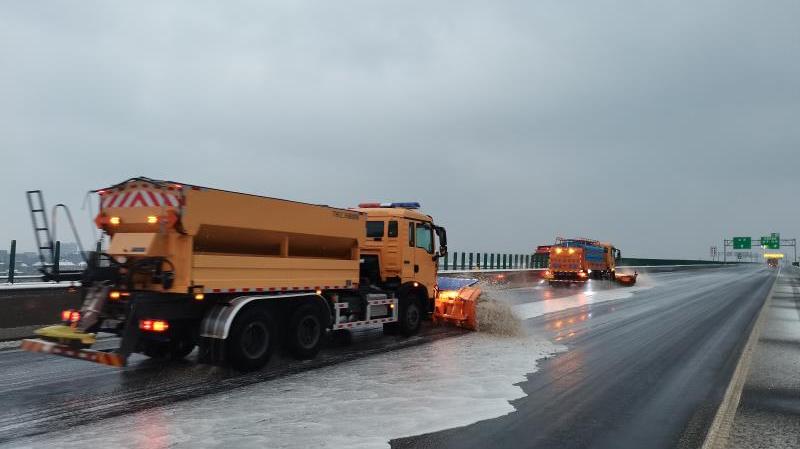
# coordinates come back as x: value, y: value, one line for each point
x: 26, y: 307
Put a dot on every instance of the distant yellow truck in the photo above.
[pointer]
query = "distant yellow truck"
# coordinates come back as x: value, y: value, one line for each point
x: 239, y: 274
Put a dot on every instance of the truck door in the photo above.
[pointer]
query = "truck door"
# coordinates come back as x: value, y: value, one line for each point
x: 424, y: 265
x: 409, y: 252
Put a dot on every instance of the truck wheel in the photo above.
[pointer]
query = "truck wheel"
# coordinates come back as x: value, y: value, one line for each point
x: 410, y: 315
x: 304, y: 333
x: 251, y: 340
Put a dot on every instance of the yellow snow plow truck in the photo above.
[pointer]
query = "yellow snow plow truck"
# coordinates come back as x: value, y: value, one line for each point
x: 239, y: 274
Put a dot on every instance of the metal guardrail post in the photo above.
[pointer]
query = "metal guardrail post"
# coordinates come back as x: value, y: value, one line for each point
x: 491, y: 261
x: 455, y: 260
x: 463, y: 260
x: 12, y: 262
x: 56, y: 260
x: 470, y: 260
x: 504, y: 261
x: 444, y: 261
x: 485, y: 257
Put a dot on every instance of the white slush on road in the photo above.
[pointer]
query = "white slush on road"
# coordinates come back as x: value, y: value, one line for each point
x: 584, y: 297
x: 360, y: 404
x: 364, y: 403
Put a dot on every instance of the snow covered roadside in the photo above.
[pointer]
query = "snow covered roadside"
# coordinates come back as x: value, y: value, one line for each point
x: 38, y: 285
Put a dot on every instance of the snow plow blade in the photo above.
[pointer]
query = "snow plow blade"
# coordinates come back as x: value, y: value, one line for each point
x: 457, y: 303
x: 626, y: 279
x: 90, y: 355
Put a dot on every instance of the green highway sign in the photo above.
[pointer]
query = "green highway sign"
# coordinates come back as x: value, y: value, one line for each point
x: 742, y: 243
x: 772, y: 241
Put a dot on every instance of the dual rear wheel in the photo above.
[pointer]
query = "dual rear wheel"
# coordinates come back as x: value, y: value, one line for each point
x: 254, y: 336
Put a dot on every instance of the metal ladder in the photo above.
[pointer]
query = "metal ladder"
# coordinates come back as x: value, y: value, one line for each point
x: 41, y: 230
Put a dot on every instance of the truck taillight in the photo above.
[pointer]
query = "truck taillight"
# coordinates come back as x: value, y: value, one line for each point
x: 116, y: 294
x: 70, y: 316
x: 153, y: 325
x: 152, y: 219
x: 115, y: 221
x: 572, y: 250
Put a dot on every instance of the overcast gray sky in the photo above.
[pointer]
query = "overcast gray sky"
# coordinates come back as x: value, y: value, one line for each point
x: 660, y: 126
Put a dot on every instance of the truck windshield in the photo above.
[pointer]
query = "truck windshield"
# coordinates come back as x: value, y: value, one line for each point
x: 425, y: 237
x: 374, y: 229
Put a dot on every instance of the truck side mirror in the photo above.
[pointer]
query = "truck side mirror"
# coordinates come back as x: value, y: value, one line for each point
x: 442, y: 234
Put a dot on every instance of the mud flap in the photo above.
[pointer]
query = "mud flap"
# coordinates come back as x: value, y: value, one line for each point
x: 212, y: 351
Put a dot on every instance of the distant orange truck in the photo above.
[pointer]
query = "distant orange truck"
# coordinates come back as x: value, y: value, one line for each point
x: 578, y: 260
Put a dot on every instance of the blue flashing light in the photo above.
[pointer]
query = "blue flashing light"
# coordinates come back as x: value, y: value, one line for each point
x: 406, y: 205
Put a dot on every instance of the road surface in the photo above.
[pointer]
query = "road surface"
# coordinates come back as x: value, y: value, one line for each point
x: 606, y: 367
x: 644, y: 372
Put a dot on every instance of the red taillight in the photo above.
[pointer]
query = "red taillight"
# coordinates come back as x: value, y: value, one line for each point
x: 72, y: 316
x: 153, y: 325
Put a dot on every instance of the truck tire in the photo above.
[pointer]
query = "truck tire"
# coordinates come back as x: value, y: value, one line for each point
x: 304, y: 333
x: 251, y: 340
x: 410, y: 315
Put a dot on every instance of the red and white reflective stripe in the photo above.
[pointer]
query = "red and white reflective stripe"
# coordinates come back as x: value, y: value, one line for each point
x: 279, y: 290
x: 362, y: 323
x: 105, y: 358
x: 378, y: 302
x: 140, y: 198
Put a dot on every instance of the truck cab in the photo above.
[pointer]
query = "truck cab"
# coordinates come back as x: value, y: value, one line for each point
x: 399, y: 251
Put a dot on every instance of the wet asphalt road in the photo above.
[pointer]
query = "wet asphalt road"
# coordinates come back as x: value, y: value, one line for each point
x: 41, y: 393
x: 640, y: 372
x: 644, y: 372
